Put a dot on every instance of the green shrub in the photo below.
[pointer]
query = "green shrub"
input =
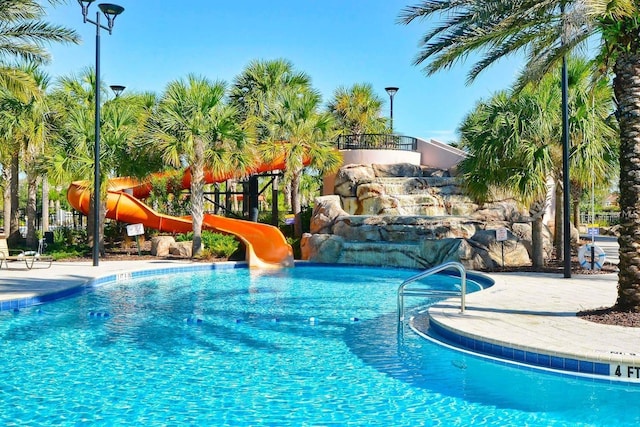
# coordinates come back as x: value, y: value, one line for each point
x: 215, y: 244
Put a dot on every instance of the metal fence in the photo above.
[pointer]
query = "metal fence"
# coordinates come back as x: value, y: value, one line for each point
x: 601, y: 218
x: 374, y: 141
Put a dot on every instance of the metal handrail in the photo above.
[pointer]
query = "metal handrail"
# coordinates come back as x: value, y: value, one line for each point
x: 433, y: 292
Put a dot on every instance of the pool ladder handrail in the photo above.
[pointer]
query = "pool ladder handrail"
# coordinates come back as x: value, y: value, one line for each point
x: 433, y: 292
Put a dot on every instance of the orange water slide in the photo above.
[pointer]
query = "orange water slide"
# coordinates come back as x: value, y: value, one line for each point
x: 265, y: 245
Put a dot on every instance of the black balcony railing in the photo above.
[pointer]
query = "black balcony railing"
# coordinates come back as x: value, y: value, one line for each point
x: 376, y: 141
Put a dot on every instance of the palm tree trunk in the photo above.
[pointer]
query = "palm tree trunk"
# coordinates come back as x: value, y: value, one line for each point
x: 14, y: 224
x: 6, y: 178
x: 626, y: 86
x: 558, y: 231
x: 32, y: 190
x: 45, y: 204
x: 197, y: 196
x: 296, y: 206
x: 537, y: 238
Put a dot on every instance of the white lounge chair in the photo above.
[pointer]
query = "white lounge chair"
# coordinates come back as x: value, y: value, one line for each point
x: 29, y: 257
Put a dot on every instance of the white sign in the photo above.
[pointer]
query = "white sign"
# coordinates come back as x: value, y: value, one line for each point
x: 501, y: 234
x: 135, y: 229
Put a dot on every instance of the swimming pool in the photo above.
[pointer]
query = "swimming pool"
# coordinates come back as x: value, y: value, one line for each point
x: 302, y: 346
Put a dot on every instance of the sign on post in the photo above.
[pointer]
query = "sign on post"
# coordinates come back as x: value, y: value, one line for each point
x: 501, y: 236
x: 135, y: 230
x: 593, y: 230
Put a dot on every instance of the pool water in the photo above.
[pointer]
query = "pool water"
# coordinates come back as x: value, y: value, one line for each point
x: 309, y: 346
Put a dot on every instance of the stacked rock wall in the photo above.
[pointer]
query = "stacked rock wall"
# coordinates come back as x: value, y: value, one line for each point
x: 406, y: 216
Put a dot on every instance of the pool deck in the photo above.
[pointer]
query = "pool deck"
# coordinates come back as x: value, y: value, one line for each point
x: 526, y: 317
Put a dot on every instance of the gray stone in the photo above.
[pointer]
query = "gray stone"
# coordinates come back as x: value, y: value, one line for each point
x: 396, y: 169
x: 181, y: 249
x: 160, y: 245
x: 325, y: 212
x: 350, y: 176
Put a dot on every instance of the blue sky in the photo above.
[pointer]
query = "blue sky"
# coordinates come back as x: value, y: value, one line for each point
x: 336, y: 42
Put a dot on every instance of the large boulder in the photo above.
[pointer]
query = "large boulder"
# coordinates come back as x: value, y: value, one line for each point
x: 325, y: 212
x: 160, y: 245
x: 350, y: 176
x: 182, y: 249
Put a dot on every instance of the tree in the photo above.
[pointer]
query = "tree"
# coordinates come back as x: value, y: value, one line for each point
x: 358, y: 110
x: 298, y: 130
x: 23, y: 35
x: 193, y: 126
x: 255, y: 91
x: 545, y: 31
x: 121, y: 127
x: 514, y: 139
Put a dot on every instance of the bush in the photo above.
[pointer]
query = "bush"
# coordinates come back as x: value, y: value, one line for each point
x: 215, y: 244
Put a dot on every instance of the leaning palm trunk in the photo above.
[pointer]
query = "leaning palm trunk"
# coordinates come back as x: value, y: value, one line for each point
x: 626, y: 86
x: 197, y: 196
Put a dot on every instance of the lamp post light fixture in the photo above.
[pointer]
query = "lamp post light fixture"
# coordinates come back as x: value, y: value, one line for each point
x: 391, y: 91
x: 117, y: 89
x: 110, y: 11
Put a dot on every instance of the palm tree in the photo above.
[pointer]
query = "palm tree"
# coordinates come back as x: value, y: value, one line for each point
x: 257, y: 94
x: 193, y: 126
x: 508, y: 142
x: 255, y: 91
x: 23, y: 35
x: 358, y: 110
x: 298, y: 130
x: 122, y: 126
x: 545, y: 31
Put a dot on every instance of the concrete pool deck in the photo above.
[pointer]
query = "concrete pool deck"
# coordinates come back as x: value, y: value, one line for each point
x: 526, y: 317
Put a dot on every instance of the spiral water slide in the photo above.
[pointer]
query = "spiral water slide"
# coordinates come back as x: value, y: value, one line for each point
x: 265, y: 245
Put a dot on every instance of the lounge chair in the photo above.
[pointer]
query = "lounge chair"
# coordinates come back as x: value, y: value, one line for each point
x: 30, y: 258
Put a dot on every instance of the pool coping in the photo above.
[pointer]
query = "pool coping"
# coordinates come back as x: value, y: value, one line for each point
x: 501, y: 324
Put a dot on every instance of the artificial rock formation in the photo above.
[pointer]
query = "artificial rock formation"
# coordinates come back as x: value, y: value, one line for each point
x: 407, y: 216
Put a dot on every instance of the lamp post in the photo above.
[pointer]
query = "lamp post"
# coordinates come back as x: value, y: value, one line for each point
x: 110, y: 11
x: 391, y: 91
x: 117, y: 89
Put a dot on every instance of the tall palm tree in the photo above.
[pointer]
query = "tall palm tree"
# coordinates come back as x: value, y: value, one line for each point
x: 255, y: 91
x: 121, y: 129
x: 508, y: 142
x: 545, y: 31
x: 514, y: 139
x: 298, y: 130
x: 257, y: 95
x: 23, y: 35
x: 357, y: 110
x: 194, y: 127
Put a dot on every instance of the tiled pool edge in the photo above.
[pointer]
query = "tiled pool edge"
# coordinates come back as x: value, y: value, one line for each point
x: 540, y: 359
x: 94, y: 282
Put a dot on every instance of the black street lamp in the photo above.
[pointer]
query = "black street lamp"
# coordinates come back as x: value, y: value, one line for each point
x: 391, y: 91
x: 110, y: 11
x: 117, y: 89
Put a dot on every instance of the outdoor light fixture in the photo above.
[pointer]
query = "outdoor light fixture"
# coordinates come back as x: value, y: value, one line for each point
x: 110, y: 11
x: 391, y: 91
x: 117, y: 89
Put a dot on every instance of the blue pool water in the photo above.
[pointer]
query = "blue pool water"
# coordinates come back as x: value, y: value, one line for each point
x: 238, y: 347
